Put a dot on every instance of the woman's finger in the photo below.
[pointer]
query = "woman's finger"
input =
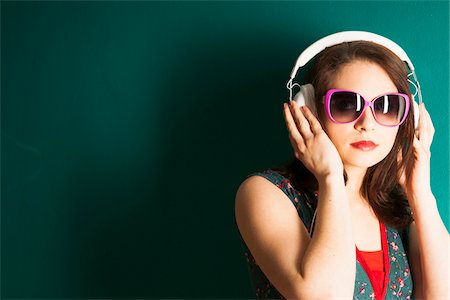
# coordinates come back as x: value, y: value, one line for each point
x: 426, y: 126
x: 422, y: 124
x: 430, y: 128
x: 290, y: 122
x: 313, y: 122
x: 420, y: 148
x: 304, y: 128
x: 294, y: 133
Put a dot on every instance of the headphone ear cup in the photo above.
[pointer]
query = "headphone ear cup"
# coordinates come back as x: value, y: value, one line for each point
x: 306, y: 97
x: 416, y: 114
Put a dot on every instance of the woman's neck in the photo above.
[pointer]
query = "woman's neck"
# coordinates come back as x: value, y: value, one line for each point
x: 355, y: 177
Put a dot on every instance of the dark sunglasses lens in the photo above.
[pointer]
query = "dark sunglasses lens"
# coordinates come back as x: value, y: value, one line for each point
x: 390, y: 109
x: 345, y: 106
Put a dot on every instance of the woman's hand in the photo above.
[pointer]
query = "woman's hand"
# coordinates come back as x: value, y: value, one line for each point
x: 418, y: 181
x: 311, y: 144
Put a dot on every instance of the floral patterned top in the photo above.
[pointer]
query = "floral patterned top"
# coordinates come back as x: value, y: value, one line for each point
x: 398, y: 282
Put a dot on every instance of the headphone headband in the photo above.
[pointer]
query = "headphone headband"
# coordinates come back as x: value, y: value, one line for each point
x: 348, y: 36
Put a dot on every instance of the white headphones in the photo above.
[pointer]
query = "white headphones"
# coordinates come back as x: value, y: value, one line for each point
x: 306, y: 94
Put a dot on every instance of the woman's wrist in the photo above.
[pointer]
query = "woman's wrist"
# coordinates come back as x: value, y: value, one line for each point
x: 331, y: 180
x: 417, y: 194
x: 422, y: 201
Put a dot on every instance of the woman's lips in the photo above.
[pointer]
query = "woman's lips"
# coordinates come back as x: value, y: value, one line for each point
x: 364, y: 145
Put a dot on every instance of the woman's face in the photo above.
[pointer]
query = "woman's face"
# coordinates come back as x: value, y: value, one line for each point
x: 369, y: 80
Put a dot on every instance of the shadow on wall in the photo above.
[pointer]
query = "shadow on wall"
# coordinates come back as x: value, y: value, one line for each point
x: 220, y: 116
x: 129, y: 213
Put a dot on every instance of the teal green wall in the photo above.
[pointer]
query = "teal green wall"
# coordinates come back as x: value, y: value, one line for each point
x: 127, y: 128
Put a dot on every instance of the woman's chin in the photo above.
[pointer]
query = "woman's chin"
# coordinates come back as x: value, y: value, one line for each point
x: 362, y: 161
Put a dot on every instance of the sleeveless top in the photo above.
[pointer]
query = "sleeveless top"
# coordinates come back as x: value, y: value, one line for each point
x: 397, y: 281
x: 375, y: 263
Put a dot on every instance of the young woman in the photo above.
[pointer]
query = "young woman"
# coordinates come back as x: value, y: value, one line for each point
x: 352, y: 215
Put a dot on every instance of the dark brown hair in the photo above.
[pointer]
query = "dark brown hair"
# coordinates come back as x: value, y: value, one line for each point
x: 381, y: 183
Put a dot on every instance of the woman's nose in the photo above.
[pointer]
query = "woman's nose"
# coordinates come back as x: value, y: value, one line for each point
x: 366, y: 121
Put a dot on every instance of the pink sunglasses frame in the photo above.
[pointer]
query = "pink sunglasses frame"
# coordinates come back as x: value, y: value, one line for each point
x: 327, y: 99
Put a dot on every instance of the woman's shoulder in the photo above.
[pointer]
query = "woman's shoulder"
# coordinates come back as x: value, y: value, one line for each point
x: 271, y: 175
x: 265, y: 182
x: 265, y: 216
x: 260, y: 192
x: 300, y: 197
x: 279, y: 179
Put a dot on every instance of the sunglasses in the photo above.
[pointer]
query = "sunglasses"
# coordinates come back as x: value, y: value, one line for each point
x: 344, y: 106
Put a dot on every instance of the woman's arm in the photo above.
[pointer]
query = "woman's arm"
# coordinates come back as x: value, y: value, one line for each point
x: 429, y: 247
x: 429, y: 239
x: 300, y: 267
x: 331, y: 255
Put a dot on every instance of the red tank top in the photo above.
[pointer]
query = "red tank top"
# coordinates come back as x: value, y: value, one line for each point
x: 374, y: 260
x: 373, y: 263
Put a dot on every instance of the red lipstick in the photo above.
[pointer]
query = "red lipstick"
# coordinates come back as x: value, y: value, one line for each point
x: 364, y: 145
